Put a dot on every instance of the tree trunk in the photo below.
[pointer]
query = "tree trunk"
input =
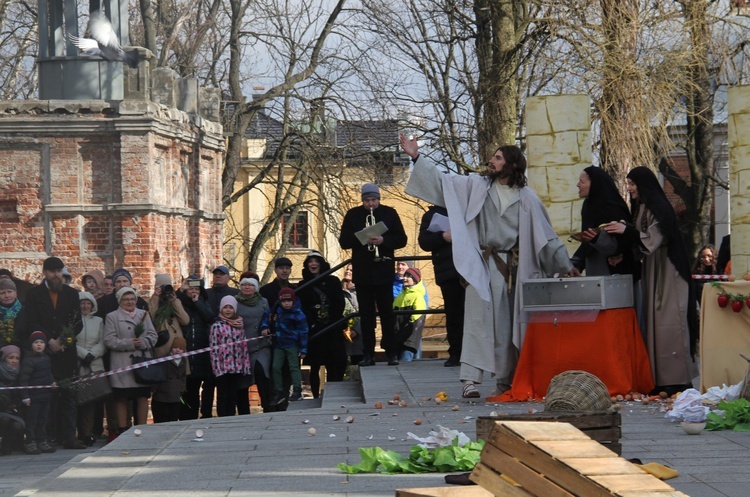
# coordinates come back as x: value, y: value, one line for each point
x: 499, y: 28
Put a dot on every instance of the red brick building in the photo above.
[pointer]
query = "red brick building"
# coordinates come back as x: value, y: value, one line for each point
x: 102, y: 184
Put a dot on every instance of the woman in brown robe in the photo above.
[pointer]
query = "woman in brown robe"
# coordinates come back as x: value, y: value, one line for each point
x: 670, y: 329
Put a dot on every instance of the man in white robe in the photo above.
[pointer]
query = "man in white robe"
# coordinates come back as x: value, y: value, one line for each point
x: 489, y: 216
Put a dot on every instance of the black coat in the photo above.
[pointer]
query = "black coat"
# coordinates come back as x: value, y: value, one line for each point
x: 327, y: 295
x: 39, y: 314
x: 36, y: 369
x: 365, y: 271
x: 216, y: 293
x: 270, y: 291
x: 442, y: 251
x: 196, y: 333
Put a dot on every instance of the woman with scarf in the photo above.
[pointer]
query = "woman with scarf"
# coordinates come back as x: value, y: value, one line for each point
x: 10, y: 307
x: 128, y: 331
x: 323, y: 304
x: 670, y: 329
x: 250, y: 307
x: 11, y: 421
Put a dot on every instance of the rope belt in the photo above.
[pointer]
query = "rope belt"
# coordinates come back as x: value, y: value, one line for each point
x: 507, y: 270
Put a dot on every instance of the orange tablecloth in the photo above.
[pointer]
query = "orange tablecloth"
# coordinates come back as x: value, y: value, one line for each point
x: 724, y: 335
x: 611, y: 348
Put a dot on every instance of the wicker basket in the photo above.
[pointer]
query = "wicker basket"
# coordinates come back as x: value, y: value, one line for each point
x: 577, y: 391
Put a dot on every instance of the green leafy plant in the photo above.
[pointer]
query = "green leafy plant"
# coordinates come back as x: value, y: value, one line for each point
x: 420, y: 460
x: 735, y: 416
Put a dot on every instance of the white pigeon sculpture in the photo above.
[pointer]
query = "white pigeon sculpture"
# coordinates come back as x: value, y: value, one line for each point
x: 104, y: 42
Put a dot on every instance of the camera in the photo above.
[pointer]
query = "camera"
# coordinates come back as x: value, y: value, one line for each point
x: 167, y: 290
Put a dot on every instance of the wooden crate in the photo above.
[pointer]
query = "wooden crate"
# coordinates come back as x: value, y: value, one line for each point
x: 554, y: 459
x: 605, y: 428
x: 460, y: 491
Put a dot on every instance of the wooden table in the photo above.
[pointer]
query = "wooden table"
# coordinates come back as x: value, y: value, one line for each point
x: 724, y: 334
x: 611, y: 347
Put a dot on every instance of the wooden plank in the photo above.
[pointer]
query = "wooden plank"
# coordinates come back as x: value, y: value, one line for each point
x: 529, y: 479
x: 583, y: 420
x: 573, y: 448
x: 604, y: 434
x: 602, y: 466
x: 632, y: 483
x: 563, y: 475
x: 463, y: 491
x: 493, y: 482
x: 533, y: 431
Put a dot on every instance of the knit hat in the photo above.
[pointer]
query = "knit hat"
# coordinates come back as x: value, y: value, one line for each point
x: 415, y: 274
x: 282, y: 261
x: 287, y: 293
x: 162, y: 279
x: 37, y: 335
x: 252, y: 281
x: 316, y: 254
x: 370, y: 190
x: 179, y: 342
x: 8, y: 350
x: 122, y: 291
x: 228, y: 300
x: 52, y: 263
x: 87, y: 296
x: 122, y: 272
x: 7, y: 284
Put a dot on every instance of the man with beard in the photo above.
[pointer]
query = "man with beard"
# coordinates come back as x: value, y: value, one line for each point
x: 54, y: 309
x: 503, y: 233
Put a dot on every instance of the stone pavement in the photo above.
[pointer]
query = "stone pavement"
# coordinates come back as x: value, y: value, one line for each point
x: 273, y: 455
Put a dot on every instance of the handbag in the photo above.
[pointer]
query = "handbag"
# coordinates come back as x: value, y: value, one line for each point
x: 151, y: 374
x: 90, y: 389
x: 162, y: 337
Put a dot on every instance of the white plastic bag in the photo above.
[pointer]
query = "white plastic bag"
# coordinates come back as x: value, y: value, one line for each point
x: 716, y: 394
x: 442, y: 438
x: 688, y: 407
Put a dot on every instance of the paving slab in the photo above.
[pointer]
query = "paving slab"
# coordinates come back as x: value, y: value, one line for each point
x: 273, y: 454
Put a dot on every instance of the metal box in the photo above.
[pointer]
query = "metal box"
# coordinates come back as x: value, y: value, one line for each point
x: 576, y: 294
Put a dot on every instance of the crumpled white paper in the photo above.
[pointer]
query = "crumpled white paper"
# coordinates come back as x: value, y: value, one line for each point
x: 688, y: 407
x: 441, y: 438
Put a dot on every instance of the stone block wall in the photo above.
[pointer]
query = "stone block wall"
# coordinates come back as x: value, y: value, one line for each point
x: 559, y: 148
x: 131, y: 184
x: 739, y: 176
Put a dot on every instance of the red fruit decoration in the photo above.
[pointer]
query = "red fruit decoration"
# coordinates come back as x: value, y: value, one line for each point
x: 723, y: 300
x: 737, y: 305
x: 747, y: 301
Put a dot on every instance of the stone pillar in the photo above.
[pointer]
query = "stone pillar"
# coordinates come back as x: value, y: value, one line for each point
x: 558, y: 137
x: 738, y: 123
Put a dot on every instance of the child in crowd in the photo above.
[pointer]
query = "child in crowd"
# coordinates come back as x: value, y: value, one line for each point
x: 229, y: 362
x: 288, y: 324
x: 36, y: 370
x: 409, y: 326
x: 165, y: 404
x: 11, y: 420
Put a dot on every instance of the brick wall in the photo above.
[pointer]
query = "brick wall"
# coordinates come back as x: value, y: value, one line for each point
x: 106, y: 190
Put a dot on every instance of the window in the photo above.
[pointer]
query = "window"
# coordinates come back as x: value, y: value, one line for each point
x: 298, y: 235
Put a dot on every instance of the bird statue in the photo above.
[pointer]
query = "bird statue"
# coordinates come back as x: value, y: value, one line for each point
x: 104, y: 42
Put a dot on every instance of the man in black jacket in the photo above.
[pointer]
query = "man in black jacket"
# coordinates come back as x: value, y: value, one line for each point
x: 436, y: 238
x: 54, y: 308
x: 373, y: 269
x: 270, y: 291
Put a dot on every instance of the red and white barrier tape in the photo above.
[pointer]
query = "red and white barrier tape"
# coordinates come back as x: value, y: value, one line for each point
x: 710, y: 276
x: 143, y: 364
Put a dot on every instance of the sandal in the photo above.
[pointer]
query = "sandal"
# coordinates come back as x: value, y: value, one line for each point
x: 470, y: 391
